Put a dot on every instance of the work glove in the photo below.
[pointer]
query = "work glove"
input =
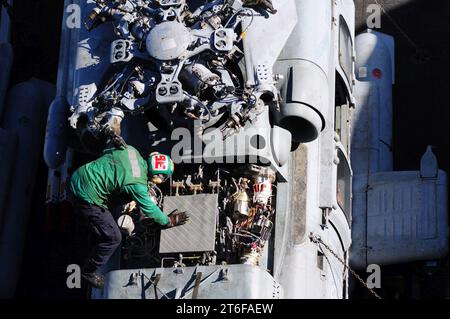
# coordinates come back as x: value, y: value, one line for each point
x: 176, y: 218
x: 265, y: 4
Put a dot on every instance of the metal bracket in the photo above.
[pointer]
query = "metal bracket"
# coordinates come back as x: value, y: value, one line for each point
x: 121, y: 51
x: 326, y: 211
x: 155, y: 284
x: 198, y: 278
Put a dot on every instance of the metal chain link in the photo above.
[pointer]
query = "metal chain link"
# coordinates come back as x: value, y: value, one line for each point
x: 317, y: 240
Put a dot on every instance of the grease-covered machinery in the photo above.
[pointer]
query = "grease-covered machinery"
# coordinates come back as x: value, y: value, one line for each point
x: 229, y: 89
x: 235, y: 212
x: 238, y: 92
x: 183, y: 64
x: 179, y: 66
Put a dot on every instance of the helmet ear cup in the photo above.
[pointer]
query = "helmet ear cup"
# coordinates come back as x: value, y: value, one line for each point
x: 156, y: 179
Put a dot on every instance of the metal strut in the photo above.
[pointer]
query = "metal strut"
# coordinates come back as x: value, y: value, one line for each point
x: 198, y: 278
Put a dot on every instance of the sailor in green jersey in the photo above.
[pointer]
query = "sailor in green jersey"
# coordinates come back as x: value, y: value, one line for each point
x: 120, y: 173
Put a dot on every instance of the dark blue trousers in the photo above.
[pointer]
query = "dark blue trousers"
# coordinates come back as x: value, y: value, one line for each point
x: 106, y: 233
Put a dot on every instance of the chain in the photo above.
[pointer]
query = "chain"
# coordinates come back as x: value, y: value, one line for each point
x: 317, y: 240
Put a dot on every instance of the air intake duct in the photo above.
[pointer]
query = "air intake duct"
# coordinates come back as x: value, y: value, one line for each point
x: 299, y: 112
x: 305, y: 64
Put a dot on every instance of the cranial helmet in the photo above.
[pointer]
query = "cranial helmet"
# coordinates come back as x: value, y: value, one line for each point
x: 160, y: 167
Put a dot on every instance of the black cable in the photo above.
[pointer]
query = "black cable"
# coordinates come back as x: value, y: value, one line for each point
x: 201, y: 104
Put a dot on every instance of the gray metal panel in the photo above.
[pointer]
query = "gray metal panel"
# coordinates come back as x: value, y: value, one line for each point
x: 406, y: 218
x: 375, y: 51
x: 199, y: 233
x: 262, y: 45
x: 216, y: 282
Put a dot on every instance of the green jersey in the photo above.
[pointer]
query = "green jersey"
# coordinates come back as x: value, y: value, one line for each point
x: 117, y: 174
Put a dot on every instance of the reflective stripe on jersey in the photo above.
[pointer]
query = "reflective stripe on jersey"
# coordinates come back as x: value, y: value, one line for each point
x: 134, y: 163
